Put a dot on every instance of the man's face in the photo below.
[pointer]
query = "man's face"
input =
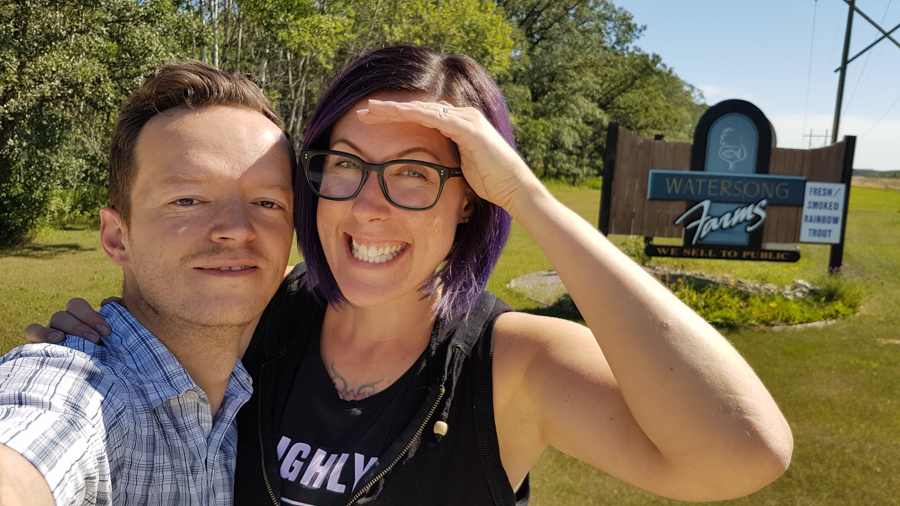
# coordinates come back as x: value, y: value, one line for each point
x: 211, y: 218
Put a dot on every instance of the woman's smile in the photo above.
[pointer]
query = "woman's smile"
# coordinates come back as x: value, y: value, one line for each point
x: 375, y: 254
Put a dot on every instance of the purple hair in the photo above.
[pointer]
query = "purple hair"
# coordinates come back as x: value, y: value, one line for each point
x: 462, y: 82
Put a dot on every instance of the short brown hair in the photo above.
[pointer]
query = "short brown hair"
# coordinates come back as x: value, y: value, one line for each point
x: 192, y: 85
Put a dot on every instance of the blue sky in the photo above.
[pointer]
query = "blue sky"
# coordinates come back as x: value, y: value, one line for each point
x: 781, y: 55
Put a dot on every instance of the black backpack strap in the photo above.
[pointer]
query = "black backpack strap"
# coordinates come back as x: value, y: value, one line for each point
x: 473, y: 337
x: 485, y: 426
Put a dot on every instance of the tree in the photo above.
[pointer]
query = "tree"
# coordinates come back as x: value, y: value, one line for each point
x: 65, y: 67
x: 574, y: 70
x: 292, y: 48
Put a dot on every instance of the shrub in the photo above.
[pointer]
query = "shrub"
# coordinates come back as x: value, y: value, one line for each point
x: 726, y: 305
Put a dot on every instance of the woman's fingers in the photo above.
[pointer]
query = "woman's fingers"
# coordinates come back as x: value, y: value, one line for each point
x: 79, y: 319
x: 491, y: 167
x: 65, y: 323
x: 86, y: 315
x: 39, y: 334
x: 61, y: 323
x: 453, y: 122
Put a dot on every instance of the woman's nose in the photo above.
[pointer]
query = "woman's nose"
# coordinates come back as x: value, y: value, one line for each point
x: 371, y: 202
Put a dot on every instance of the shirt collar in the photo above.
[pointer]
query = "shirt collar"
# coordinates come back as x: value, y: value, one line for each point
x: 162, y: 375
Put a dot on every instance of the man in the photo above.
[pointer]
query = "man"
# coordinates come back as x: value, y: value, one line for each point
x: 201, y: 224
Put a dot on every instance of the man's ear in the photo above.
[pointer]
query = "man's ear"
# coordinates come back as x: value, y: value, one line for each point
x: 112, y: 236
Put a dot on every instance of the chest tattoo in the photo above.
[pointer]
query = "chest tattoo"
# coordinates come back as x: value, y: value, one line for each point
x: 345, y: 392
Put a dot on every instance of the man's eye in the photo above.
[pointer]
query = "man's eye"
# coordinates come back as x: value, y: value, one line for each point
x: 268, y: 204
x: 185, y: 202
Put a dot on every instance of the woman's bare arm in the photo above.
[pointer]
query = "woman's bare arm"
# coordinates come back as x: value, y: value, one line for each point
x: 649, y: 392
x: 685, y: 414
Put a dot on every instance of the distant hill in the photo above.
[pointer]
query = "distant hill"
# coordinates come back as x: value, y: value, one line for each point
x: 876, y: 173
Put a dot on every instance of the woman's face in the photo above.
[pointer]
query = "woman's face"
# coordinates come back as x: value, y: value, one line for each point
x: 377, y: 252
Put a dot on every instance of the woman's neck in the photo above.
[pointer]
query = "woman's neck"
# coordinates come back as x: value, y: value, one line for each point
x: 365, y: 350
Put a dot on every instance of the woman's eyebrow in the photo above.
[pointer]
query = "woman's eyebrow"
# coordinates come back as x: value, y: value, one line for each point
x: 417, y: 149
x: 346, y: 142
x: 401, y: 154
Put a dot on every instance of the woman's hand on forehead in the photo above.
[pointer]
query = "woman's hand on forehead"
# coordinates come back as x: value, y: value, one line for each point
x: 492, y: 168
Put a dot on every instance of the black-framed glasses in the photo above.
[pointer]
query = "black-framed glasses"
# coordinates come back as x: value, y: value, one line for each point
x: 407, y: 184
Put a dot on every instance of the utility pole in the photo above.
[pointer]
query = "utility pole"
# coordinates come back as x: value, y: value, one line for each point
x: 843, y: 77
x: 844, y: 61
x: 817, y: 144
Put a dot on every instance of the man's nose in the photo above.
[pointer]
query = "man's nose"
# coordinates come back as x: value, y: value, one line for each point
x: 233, y: 222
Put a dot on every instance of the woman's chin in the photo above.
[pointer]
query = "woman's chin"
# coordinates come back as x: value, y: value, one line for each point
x: 372, y: 296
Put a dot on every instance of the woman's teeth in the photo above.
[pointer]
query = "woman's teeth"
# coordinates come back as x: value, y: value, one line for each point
x: 375, y: 255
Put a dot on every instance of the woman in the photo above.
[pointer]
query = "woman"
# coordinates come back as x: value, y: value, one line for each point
x: 444, y: 396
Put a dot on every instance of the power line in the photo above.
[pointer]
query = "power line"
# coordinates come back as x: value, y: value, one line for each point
x: 812, y: 45
x: 865, y: 62
x: 844, y: 60
x: 883, y: 115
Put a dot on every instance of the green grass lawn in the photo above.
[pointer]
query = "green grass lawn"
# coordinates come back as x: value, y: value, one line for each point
x: 837, y: 384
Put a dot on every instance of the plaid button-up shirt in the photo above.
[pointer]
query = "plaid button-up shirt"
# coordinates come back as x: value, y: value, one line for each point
x: 121, y: 423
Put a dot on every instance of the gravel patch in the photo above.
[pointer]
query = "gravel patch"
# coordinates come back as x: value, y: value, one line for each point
x: 543, y: 287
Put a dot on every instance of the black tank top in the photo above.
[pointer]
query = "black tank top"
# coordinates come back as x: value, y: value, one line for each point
x: 326, y: 444
x: 461, y: 467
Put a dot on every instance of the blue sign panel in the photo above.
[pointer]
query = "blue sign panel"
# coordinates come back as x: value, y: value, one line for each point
x: 731, y: 145
x: 729, y: 187
x: 738, y: 189
x: 732, y: 138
